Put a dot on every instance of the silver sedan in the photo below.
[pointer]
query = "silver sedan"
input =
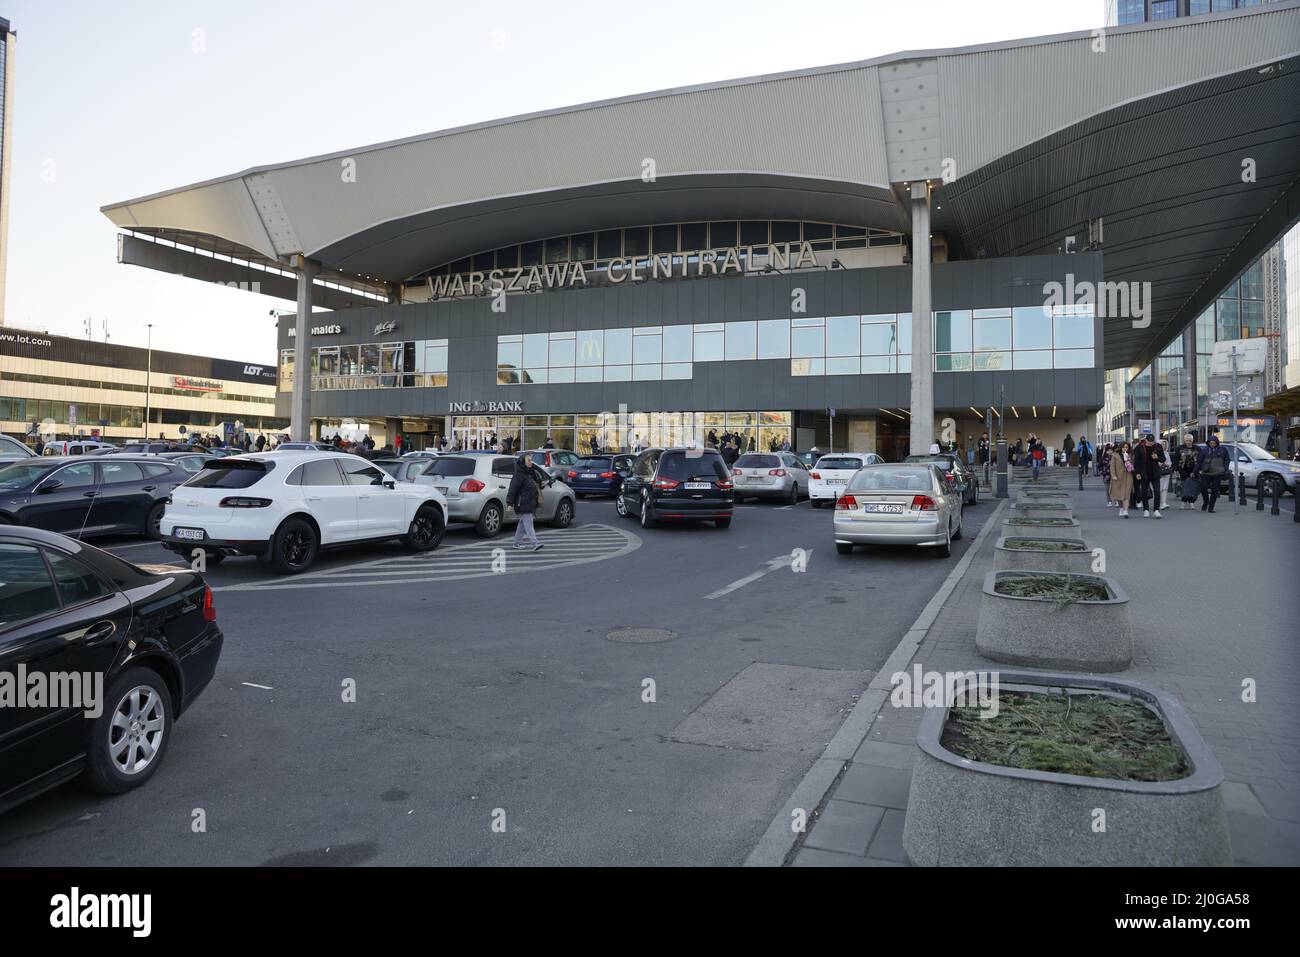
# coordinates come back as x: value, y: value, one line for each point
x: 476, y: 485
x: 778, y: 475
x: 899, y: 505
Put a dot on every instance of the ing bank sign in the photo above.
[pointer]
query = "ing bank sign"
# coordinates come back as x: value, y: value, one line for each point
x: 570, y: 275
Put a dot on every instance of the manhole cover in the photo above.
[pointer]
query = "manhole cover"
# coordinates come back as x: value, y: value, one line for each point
x: 636, y: 635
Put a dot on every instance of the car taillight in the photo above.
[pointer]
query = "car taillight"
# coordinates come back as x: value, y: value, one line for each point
x: 816, y: 476
x: 665, y: 483
x: 572, y: 474
x: 723, y: 484
x: 924, y: 503
x: 950, y: 476
x: 209, y: 609
x: 846, y: 502
x: 780, y: 472
x: 472, y: 485
x: 604, y: 475
x: 243, y: 501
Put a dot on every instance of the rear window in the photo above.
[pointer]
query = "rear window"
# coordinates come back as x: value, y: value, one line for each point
x: 230, y: 473
x: 451, y: 467
x: 876, y: 479
x: 389, y: 467
x: 752, y: 461
x: 826, y: 462
x: 589, y: 463
x: 707, y: 466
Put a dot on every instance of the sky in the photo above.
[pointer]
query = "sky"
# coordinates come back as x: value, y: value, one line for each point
x: 118, y: 100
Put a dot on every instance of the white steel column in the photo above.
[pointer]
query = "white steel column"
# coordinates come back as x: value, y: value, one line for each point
x: 300, y: 410
x: 922, y: 408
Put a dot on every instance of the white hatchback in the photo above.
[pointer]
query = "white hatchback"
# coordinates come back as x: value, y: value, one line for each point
x: 832, y: 472
x: 287, y: 505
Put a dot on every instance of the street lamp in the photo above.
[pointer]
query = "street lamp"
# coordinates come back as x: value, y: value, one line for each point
x: 147, y: 377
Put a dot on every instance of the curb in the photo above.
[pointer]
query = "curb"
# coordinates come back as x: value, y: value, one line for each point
x: 780, y: 839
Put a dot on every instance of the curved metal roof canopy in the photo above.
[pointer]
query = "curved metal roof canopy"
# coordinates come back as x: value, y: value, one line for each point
x: 1145, y: 127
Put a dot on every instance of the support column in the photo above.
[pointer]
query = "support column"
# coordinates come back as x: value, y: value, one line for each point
x: 300, y: 409
x: 922, y: 431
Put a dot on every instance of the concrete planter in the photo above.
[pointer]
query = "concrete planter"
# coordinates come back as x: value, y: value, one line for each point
x: 1042, y: 560
x: 1069, y: 530
x: 1043, y: 509
x: 1038, y: 632
x: 966, y: 813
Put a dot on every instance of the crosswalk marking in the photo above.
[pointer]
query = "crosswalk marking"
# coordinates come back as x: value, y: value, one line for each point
x: 478, y: 559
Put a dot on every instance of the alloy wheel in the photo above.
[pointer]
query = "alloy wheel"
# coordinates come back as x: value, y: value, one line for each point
x: 137, y: 729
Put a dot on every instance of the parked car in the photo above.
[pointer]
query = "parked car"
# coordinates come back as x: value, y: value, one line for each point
x: 304, y: 447
x: 476, y: 486
x: 598, y: 474
x: 150, y: 448
x: 287, y: 506
x: 1260, y: 466
x: 69, y: 608
x: 11, y: 451
x: 404, y: 469
x: 191, y: 462
x: 83, y: 496
x: 555, y: 462
x: 899, y: 505
x: 832, y: 472
x: 956, y: 471
x: 422, y: 454
x: 778, y: 475
x: 678, y: 484
x: 76, y: 447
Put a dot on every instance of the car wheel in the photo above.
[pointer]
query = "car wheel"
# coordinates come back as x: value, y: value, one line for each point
x: 563, y: 514
x: 647, y: 512
x: 1268, y: 482
x: 128, y: 740
x: 153, y: 524
x: 722, y: 522
x: 426, y: 530
x: 489, y: 521
x: 793, y: 498
x: 944, y: 550
x: 956, y: 536
x: 620, y: 505
x: 294, y: 547
x: 975, y: 495
x: 844, y: 548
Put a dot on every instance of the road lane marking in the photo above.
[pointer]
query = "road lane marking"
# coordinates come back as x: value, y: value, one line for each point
x: 781, y: 561
x: 251, y: 685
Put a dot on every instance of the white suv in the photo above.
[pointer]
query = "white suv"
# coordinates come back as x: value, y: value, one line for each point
x: 287, y: 506
x: 832, y: 472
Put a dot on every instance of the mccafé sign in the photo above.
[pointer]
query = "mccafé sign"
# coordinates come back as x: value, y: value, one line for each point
x: 699, y: 262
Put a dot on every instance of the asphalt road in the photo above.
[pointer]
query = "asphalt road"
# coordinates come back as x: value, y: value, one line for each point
x: 494, y: 721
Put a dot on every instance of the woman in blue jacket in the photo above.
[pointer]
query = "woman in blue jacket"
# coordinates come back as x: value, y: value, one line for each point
x: 1211, y: 467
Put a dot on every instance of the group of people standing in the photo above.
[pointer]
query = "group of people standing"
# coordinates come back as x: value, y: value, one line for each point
x: 1133, y: 474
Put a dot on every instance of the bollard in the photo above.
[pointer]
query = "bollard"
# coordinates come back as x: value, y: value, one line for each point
x: 1241, y: 489
x: 1276, y: 488
x: 1259, y: 496
x: 1080, y: 478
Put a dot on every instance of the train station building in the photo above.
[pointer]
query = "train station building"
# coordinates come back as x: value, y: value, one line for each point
x: 753, y: 255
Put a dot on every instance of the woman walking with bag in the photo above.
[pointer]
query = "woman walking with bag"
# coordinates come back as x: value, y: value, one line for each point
x: 1211, y: 467
x: 1185, y: 462
x: 1120, y: 465
x: 524, y: 495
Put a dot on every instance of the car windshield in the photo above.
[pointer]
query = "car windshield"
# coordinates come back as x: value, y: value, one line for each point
x: 707, y: 466
x: 593, y: 463
x: 752, y: 461
x: 827, y: 462
x: 1255, y: 452
x: 389, y: 467
x: 230, y: 473
x: 21, y: 476
x: 881, y: 479
x: 451, y: 467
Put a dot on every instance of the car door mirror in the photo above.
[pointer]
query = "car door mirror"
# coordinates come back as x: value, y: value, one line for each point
x: 389, y: 483
x: 49, y: 486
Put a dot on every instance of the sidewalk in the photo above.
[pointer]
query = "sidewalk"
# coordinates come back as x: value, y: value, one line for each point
x: 1194, y: 637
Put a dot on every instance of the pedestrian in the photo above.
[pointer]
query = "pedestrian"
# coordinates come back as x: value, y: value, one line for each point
x: 261, y: 442
x: 397, y: 443
x: 1211, y: 467
x: 548, y: 444
x: 814, y: 453
x: 1067, y: 449
x: 1085, y: 454
x: 1146, y: 475
x: 713, y: 439
x: 1103, y: 470
x: 1185, y: 464
x: 1037, y: 453
x: 970, y: 452
x: 524, y: 496
x: 1120, y: 467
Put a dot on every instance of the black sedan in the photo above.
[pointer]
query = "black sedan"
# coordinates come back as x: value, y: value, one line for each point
x: 83, y: 496
x: 121, y: 652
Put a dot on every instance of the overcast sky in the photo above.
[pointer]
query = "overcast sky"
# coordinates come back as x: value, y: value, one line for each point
x: 118, y: 100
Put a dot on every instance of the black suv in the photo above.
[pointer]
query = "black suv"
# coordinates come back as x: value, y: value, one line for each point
x: 677, y: 485
x: 82, y: 496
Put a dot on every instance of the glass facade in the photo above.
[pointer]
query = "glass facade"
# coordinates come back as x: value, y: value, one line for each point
x: 1122, y: 12
x: 965, y: 340
x: 374, y: 365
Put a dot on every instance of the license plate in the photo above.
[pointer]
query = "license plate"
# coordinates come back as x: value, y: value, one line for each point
x: 692, y: 485
x: 750, y: 479
x: 837, y: 481
x: 589, y: 475
x: 889, y: 509
x: 193, y: 533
